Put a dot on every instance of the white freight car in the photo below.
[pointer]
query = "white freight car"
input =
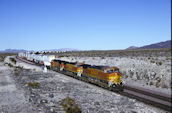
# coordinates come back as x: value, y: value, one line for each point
x: 38, y: 58
x: 47, y: 59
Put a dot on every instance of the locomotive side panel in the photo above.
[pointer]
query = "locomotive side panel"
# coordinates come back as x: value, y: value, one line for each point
x: 71, y: 67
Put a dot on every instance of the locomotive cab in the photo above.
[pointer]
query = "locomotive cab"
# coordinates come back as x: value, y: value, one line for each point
x: 114, y: 81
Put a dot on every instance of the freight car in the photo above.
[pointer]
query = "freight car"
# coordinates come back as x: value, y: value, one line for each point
x: 39, y: 59
x: 104, y: 76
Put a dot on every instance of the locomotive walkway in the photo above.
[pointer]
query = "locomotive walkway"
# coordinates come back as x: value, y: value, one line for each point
x: 154, y: 98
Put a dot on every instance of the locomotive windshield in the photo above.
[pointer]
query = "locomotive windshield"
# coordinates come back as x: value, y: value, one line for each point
x: 77, y: 65
x: 108, y: 71
x: 111, y: 71
x: 116, y: 70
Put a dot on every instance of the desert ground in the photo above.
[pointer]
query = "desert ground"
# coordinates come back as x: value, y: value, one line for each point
x: 25, y: 88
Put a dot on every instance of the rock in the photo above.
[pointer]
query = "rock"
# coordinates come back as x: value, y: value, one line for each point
x: 52, y: 110
x: 44, y: 101
x: 158, y: 79
x: 131, y: 72
x: 32, y: 95
x: 51, y: 104
x: 30, y: 100
x: 152, y: 75
x: 96, y: 103
x: 51, y: 95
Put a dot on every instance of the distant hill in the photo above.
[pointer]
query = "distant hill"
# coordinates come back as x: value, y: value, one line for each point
x: 132, y: 47
x: 13, y: 51
x: 64, y: 49
x: 166, y: 44
x: 22, y: 50
x: 61, y: 49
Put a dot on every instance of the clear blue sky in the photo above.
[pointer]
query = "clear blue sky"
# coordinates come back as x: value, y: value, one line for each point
x: 83, y: 24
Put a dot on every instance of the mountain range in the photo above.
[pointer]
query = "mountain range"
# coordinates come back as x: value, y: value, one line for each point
x: 22, y: 50
x: 13, y: 51
x: 166, y: 44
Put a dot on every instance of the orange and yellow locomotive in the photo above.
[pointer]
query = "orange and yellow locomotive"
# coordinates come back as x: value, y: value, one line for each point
x: 104, y: 76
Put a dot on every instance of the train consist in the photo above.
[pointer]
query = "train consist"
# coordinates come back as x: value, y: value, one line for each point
x: 104, y: 76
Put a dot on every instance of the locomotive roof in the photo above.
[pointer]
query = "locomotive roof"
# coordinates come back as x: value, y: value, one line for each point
x: 71, y: 62
x: 99, y: 67
x: 60, y: 61
x: 85, y: 65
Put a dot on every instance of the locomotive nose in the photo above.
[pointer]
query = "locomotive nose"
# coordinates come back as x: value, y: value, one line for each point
x: 117, y: 79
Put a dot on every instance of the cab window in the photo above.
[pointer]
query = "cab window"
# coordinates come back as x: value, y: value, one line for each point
x: 116, y: 70
x: 77, y: 65
x: 108, y: 71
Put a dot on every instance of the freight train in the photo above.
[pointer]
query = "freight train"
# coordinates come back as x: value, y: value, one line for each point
x: 104, y: 76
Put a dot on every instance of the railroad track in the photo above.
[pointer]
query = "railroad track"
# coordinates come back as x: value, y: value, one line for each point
x: 154, y: 98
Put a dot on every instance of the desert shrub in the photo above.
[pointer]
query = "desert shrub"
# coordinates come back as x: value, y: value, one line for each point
x: 34, y: 84
x: 19, y: 67
x: 13, y: 60
x: 10, y: 65
x: 151, y: 83
x: 2, y: 58
x: 60, y: 56
x: 102, y: 57
x: 168, y: 58
x: 17, y: 71
x: 69, y: 105
x: 158, y: 63
x: 28, y: 70
x: 164, y: 86
x: 157, y: 84
x: 152, y: 61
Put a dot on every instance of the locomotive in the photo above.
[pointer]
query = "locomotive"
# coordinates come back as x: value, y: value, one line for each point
x: 104, y: 76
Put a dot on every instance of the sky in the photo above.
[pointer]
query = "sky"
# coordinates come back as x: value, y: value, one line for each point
x: 83, y: 24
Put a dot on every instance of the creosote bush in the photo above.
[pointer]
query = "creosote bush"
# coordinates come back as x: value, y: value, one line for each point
x: 152, y: 61
x: 2, y: 58
x: 34, y: 84
x: 60, y: 56
x: 158, y: 63
x: 16, y: 71
x: 69, y: 105
x: 102, y: 57
x: 10, y: 65
x: 13, y: 60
